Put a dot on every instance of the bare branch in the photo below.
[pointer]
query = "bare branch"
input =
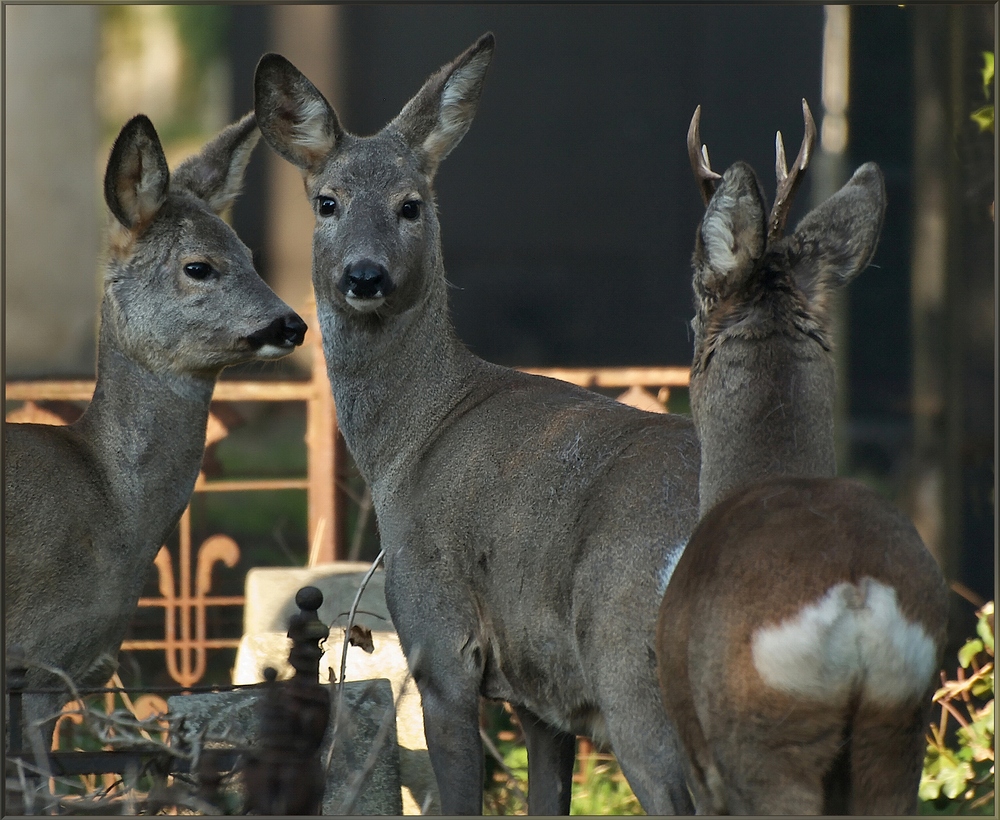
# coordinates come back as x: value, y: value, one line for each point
x: 343, y: 657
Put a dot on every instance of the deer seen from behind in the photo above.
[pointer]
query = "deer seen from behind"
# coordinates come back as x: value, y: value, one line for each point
x: 528, y: 525
x: 801, y: 632
x: 88, y: 506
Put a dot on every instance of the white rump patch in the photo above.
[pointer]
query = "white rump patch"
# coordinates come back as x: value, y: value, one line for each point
x: 852, y: 639
x: 717, y: 233
x: 670, y: 559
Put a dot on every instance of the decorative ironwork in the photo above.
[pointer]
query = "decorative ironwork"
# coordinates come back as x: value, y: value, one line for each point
x: 185, y: 591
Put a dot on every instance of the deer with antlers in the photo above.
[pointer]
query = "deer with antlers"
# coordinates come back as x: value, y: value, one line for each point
x: 800, y: 633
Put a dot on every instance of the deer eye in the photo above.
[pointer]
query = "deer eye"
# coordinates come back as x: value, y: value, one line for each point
x: 410, y: 209
x: 326, y: 205
x: 198, y: 270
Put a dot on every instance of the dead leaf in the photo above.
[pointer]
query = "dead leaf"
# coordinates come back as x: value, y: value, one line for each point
x: 361, y: 636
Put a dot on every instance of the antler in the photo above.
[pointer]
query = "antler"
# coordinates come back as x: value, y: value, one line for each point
x: 698, y: 154
x: 788, y: 181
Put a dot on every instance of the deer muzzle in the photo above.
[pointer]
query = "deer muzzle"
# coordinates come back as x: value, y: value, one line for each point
x: 279, y: 337
x: 365, y: 284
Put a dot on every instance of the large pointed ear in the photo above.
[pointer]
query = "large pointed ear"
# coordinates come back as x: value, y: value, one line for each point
x: 438, y: 116
x: 733, y: 233
x: 137, y: 178
x: 215, y: 174
x: 835, y: 241
x: 295, y: 119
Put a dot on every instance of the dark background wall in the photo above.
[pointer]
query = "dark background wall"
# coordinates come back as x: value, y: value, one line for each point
x: 569, y: 209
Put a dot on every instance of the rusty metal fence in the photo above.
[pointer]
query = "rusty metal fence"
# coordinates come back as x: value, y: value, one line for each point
x: 184, y: 581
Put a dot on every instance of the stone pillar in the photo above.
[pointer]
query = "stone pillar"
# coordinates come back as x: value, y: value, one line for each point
x: 53, y: 210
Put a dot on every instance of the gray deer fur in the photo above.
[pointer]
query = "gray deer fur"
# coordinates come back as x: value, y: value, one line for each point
x: 527, y: 523
x: 803, y: 626
x: 88, y: 506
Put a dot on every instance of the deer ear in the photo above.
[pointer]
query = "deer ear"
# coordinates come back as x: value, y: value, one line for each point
x: 733, y: 233
x: 439, y: 115
x: 215, y: 174
x: 137, y: 177
x: 294, y: 117
x: 835, y: 241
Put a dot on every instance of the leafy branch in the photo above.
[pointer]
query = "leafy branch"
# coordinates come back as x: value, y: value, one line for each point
x: 965, y: 771
x: 984, y: 115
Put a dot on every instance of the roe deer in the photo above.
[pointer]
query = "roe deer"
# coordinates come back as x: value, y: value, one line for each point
x: 800, y: 634
x: 527, y: 523
x: 88, y: 506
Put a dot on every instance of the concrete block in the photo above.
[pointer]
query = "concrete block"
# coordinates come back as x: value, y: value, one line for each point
x: 363, y: 775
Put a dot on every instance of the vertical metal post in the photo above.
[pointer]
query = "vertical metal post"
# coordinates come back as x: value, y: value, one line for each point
x: 325, y: 450
x: 284, y: 774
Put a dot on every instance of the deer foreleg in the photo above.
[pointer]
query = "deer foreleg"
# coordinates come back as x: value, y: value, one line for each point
x: 551, y: 754
x: 451, y: 726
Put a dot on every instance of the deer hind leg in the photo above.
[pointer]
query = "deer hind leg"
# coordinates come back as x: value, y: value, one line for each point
x: 551, y: 754
x: 779, y: 759
x: 887, y: 755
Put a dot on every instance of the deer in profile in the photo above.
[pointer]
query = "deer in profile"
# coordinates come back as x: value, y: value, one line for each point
x: 88, y: 506
x: 800, y: 634
x: 528, y: 524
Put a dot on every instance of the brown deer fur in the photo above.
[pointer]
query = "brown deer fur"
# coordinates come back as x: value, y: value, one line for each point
x: 802, y: 628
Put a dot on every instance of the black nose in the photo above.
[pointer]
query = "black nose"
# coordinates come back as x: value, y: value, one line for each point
x: 284, y: 331
x: 294, y: 329
x: 365, y: 280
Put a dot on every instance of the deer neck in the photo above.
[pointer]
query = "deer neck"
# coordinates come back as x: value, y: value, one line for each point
x: 146, y: 433
x: 762, y: 411
x: 394, y: 379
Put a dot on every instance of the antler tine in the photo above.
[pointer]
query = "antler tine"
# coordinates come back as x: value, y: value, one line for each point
x: 789, y: 181
x: 698, y: 154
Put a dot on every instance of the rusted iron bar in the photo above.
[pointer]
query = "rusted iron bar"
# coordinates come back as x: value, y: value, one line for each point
x: 207, y: 643
x: 251, y: 485
x: 86, y: 691
x: 617, y: 376
x: 326, y: 449
x: 83, y: 390
x: 210, y: 600
x: 119, y: 761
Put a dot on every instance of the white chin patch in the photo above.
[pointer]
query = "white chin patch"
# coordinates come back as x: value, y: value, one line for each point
x: 365, y: 305
x: 272, y: 351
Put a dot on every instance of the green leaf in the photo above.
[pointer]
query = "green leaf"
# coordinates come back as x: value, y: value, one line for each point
x: 929, y: 788
x: 987, y: 72
x: 982, y: 687
x: 954, y: 777
x: 983, y: 117
x: 969, y: 651
x: 983, y: 626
